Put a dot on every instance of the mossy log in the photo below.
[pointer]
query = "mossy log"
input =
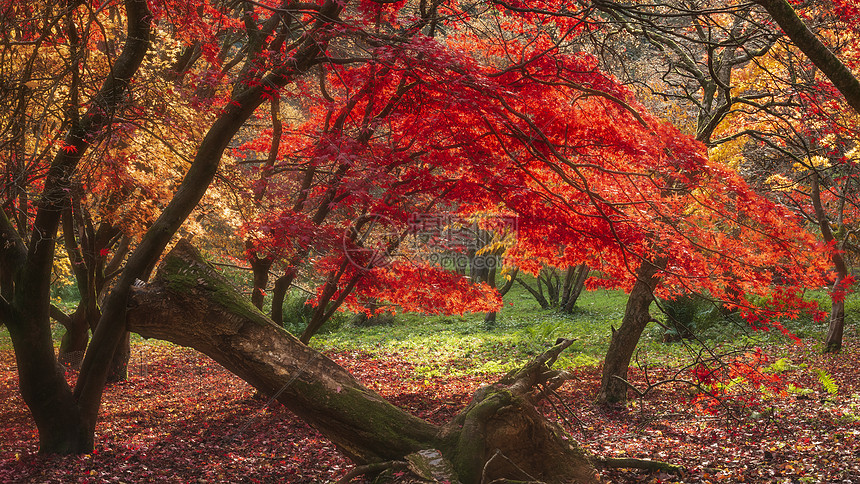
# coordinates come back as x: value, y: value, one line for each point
x: 499, y: 435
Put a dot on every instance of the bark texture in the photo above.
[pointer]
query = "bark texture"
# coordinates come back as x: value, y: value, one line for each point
x: 500, y: 435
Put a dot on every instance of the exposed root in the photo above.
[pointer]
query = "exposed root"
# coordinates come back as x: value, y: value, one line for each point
x: 647, y: 464
x: 371, y: 469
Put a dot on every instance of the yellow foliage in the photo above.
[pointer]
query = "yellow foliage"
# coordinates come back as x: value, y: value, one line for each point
x: 812, y: 162
x: 729, y: 154
x: 780, y: 183
x: 62, y: 269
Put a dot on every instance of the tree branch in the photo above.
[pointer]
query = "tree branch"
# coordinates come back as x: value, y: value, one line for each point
x: 815, y: 50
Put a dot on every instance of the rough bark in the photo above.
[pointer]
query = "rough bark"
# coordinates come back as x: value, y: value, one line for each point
x: 500, y: 435
x: 189, y: 303
x: 613, y: 384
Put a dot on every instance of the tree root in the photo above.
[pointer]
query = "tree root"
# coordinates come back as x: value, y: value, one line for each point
x: 647, y: 464
x: 371, y: 469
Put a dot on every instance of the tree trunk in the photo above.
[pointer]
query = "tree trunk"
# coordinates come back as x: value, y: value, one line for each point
x: 43, y: 386
x: 63, y: 428
x: 490, y: 317
x: 279, y: 294
x: 833, y: 341
x: 75, y: 339
x: 574, y: 284
x: 538, y: 295
x: 260, y: 268
x: 119, y: 364
x: 189, y: 303
x: 613, y: 384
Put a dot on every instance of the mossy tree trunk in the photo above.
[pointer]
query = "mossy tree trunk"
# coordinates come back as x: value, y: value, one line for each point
x: 499, y: 435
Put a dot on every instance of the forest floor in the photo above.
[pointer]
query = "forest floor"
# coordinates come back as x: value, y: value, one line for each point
x: 180, y: 417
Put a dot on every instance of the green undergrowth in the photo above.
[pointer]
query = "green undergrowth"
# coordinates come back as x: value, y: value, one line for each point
x: 457, y: 345
x: 460, y: 345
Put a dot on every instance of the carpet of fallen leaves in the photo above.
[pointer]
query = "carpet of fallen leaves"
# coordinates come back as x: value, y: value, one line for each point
x: 182, y: 418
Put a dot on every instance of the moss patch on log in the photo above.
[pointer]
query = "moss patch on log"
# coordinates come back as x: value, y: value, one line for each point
x: 183, y: 270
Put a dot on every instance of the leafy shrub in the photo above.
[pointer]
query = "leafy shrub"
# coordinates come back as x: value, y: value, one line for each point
x: 689, y: 315
x: 297, y: 313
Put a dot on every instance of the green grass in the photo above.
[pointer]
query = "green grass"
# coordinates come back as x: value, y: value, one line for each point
x: 453, y: 345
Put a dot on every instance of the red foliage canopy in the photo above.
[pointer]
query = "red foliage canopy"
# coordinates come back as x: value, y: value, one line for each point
x: 505, y: 119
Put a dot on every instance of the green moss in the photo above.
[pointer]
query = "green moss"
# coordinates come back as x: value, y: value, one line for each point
x: 191, y: 273
x: 379, y: 426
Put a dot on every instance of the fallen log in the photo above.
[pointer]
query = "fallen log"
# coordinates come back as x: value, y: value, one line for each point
x: 499, y: 435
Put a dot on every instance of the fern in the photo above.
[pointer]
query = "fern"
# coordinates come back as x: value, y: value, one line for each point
x: 779, y: 366
x: 827, y: 382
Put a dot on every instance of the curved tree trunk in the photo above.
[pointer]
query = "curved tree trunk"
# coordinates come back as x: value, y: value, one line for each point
x: 74, y: 341
x: 613, y: 384
x: 833, y: 341
x: 189, y: 303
